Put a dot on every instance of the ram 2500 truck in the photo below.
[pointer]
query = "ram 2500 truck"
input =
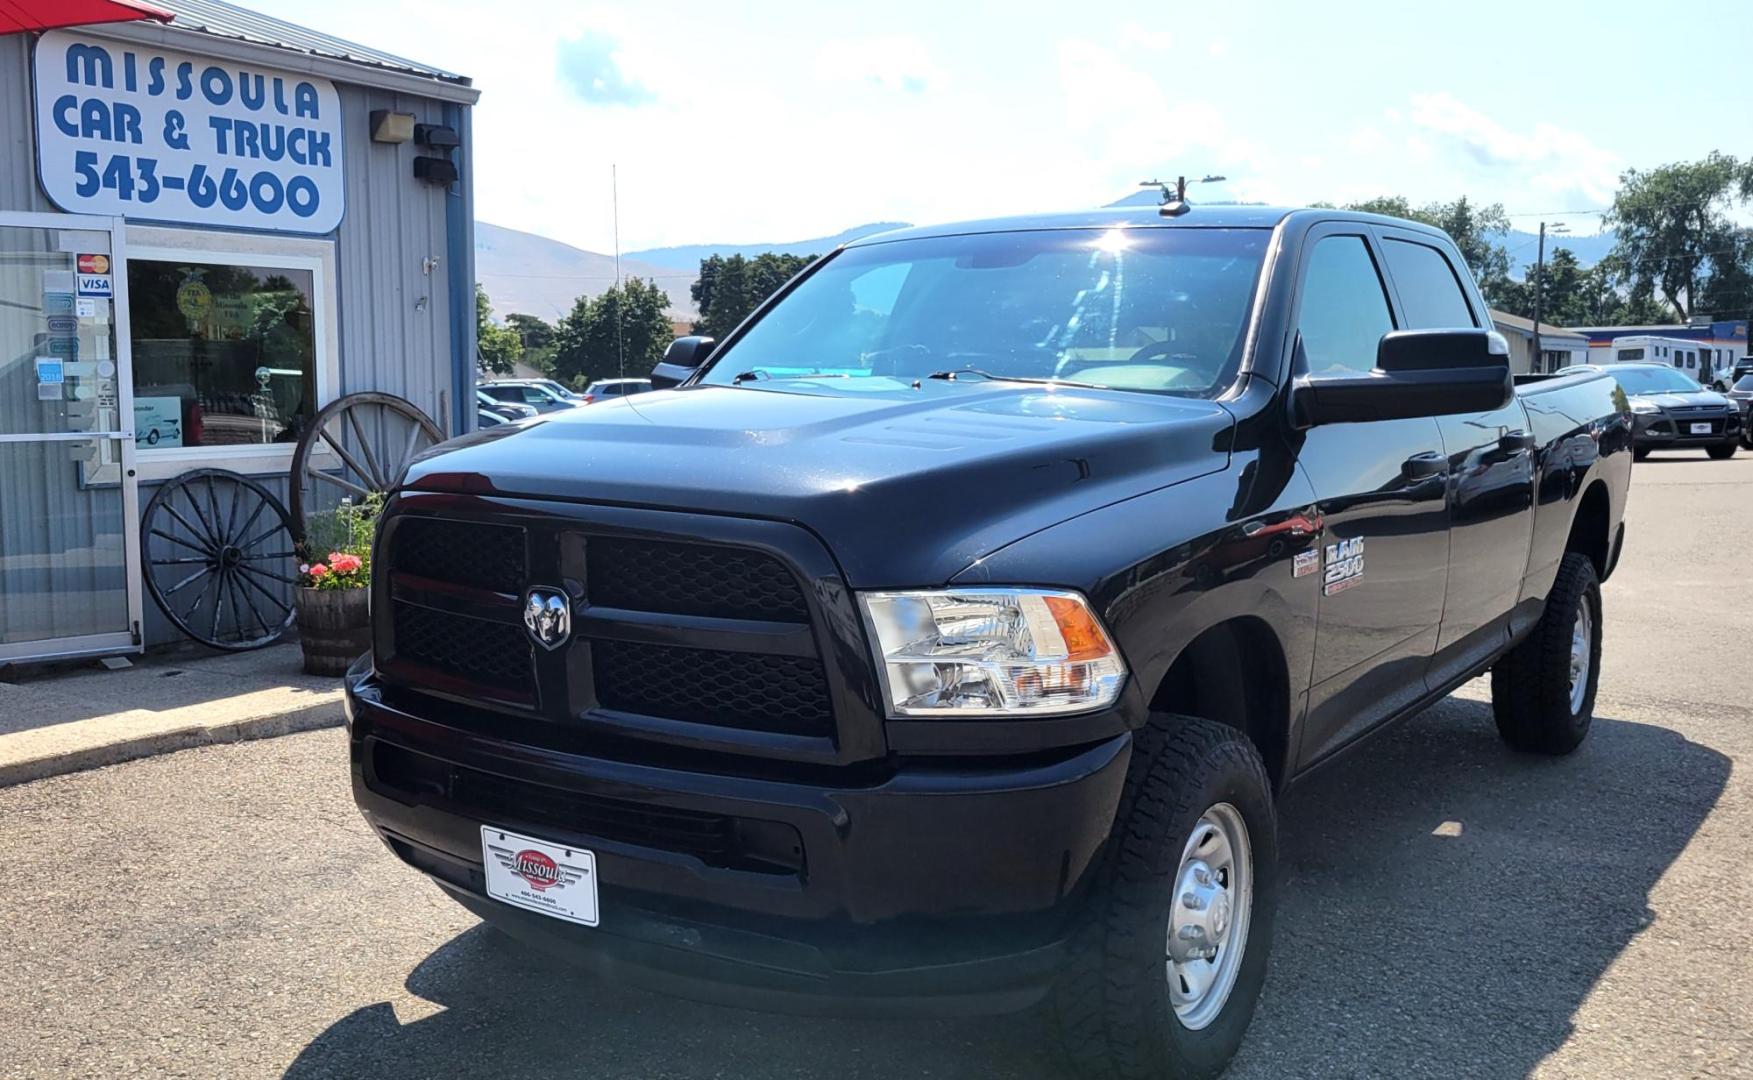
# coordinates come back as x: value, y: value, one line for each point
x: 943, y: 638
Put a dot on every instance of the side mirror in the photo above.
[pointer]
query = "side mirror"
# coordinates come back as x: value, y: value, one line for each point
x: 680, y: 360
x: 1417, y: 373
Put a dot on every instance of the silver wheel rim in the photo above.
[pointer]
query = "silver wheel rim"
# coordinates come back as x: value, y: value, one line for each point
x: 1209, y: 916
x: 1581, y: 638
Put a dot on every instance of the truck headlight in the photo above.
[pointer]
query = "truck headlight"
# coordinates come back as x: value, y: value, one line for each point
x: 1644, y: 408
x: 969, y: 652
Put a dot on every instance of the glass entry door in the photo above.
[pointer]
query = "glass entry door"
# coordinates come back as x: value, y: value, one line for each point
x: 69, y: 514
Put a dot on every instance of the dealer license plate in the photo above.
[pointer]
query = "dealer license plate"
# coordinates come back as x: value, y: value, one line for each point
x: 540, y: 875
x: 1701, y: 429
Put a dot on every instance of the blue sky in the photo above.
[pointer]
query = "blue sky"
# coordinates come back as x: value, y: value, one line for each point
x: 775, y: 121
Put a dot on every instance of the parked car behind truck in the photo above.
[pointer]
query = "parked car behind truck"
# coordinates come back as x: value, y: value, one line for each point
x: 945, y: 638
x: 1672, y: 412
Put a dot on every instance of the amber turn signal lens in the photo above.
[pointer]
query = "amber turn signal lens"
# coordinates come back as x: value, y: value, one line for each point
x: 1084, y: 639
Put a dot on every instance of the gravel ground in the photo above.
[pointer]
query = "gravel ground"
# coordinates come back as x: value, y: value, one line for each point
x: 1451, y: 909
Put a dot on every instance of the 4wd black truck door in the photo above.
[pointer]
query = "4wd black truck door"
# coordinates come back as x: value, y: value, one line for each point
x: 1380, y: 486
x: 1491, y: 470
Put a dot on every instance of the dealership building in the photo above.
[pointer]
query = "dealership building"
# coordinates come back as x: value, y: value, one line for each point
x: 212, y: 224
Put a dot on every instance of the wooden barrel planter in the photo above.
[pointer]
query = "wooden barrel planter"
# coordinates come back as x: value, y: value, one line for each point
x: 334, y: 628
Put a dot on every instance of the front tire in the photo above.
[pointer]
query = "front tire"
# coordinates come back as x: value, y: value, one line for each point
x: 1639, y: 453
x: 1543, y: 691
x: 1723, y: 452
x: 1169, y: 961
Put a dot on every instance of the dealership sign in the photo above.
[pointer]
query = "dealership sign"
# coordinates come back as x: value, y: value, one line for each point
x: 160, y: 135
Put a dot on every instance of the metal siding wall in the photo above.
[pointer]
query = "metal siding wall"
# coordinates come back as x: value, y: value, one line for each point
x: 389, y: 339
x: 18, y: 164
x: 395, y: 332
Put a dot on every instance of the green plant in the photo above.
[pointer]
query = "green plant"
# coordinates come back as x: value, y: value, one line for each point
x: 346, y: 533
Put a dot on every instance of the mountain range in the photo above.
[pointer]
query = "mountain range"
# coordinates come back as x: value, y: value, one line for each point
x: 536, y: 275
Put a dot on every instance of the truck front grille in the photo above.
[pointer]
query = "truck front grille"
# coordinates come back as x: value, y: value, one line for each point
x: 475, y: 650
x: 472, y: 554
x: 741, y: 690
x: 712, y: 634
x: 692, y: 579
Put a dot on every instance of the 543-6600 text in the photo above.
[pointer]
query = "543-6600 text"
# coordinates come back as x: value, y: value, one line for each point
x: 134, y: 178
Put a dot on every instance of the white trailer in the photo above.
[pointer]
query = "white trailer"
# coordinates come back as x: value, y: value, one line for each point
x: 1690, y: 357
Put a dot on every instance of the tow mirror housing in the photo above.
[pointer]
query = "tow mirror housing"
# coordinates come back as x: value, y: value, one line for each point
x: 680, y: 360
x: 1417, y: 373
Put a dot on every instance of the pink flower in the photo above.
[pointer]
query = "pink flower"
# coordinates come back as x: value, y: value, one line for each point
x: 343, y: 563
x: 317, y: 570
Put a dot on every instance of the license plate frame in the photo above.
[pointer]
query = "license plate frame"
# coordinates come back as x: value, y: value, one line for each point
x: 547, y: 877
x: 1701, y: 427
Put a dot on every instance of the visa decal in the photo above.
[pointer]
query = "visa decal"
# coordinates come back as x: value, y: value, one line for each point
x: 1344, y: 566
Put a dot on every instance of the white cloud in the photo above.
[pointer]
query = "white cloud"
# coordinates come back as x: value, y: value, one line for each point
x: 1144, y: 37
x: 592, y: 67
x: 892, y: 62
x: 1549, y: 157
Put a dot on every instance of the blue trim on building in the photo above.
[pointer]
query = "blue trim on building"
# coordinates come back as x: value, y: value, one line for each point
x: 459, y: 258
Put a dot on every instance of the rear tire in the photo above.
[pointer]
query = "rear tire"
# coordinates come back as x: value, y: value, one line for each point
x: 1639, y: 454
x: 1127, y: 1004
x: 1723, y: 452
x: 1543, y: 691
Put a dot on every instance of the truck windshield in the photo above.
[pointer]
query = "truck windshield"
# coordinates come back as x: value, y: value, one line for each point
x: 1160, y: 309
x: 1653, y: 380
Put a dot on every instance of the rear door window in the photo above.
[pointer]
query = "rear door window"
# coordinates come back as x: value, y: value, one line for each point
x: 1344, y: 308
x: 1430, y: 290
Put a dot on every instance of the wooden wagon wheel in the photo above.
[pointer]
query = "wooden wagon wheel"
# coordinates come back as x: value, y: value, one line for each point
x: 357, y: 446
x: 217, y: 551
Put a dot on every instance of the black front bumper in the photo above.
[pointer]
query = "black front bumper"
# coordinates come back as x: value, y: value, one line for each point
x: 933, y: 887
x: 1653, y: 431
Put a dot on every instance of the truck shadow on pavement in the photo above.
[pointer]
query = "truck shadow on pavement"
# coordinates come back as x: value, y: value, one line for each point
x: 1448, y: 905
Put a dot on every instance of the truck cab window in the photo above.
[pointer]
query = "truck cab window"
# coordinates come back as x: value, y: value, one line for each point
x: 1345, y: 309
x: 1430, y: 293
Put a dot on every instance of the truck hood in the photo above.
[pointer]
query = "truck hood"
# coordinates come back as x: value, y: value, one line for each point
x: 906, y: 486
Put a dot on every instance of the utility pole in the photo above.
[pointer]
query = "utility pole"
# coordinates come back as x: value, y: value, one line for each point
x: 1535, y: 365
x: 1536, y: 362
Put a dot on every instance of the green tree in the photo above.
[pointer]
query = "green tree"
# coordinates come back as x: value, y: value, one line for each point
x: 538, y: 340
x: 532, y: 331
x: 1676, y: 237
x: 497, y: 348
x: 622, y: 332
x: 728, y: 289
x: 1574, y: 296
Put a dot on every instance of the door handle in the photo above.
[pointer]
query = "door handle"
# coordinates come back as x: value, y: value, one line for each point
x: 1420, y: 466
x: 1515, y: 442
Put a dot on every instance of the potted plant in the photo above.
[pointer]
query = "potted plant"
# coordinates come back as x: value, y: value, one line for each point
x: 334, y: 593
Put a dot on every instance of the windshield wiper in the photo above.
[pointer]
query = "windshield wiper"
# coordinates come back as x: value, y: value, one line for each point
x: 761, y: 375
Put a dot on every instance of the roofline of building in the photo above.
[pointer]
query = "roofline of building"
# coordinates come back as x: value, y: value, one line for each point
x: 338, y: 70
x: 1516, y: 324
x: 1658, y: 329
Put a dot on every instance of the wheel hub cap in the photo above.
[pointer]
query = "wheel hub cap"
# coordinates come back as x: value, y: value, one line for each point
x: 1581, y: 643
x: 1208, y: 921
x: 1202, y: 921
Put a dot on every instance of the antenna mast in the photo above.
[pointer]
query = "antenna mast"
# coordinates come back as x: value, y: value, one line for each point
x: 1175, y: 202
x: 620, y: 294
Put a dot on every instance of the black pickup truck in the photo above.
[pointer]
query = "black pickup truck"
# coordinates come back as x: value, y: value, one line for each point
x: 942, y: 640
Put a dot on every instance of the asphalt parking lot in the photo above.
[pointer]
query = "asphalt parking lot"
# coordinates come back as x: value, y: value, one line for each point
x: 1451, y: 909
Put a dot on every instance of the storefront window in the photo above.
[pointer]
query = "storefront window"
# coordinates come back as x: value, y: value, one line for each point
x: 224, y: 353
